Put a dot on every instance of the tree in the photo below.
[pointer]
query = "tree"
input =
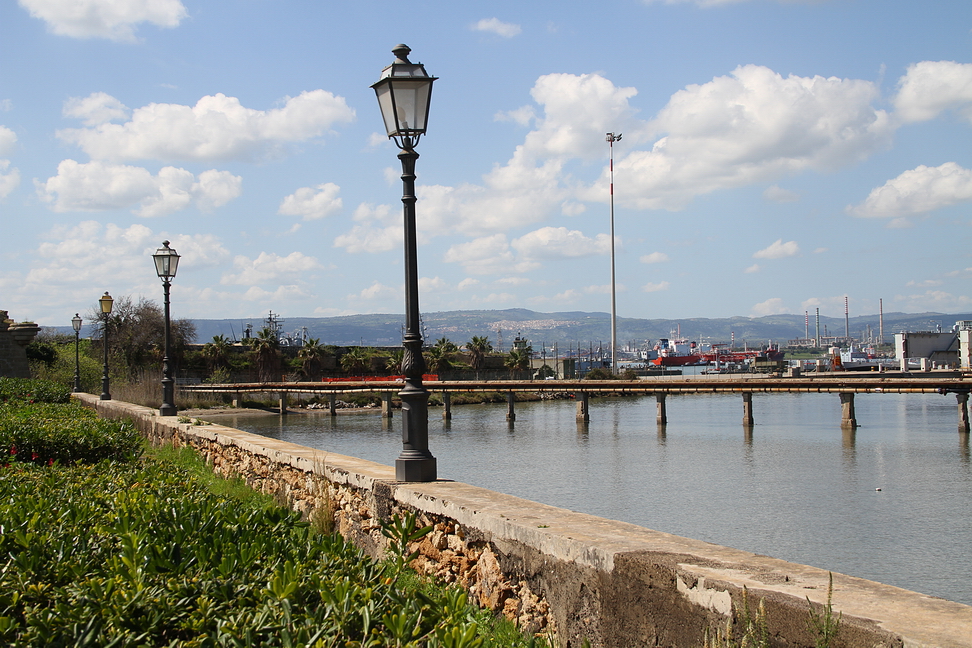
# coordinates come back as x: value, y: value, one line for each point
x: 266, y: 348
x: 394, y: 361
x: 518, y: 360
x: 311, y: 357
x: 439, y: 357
x: 353, y: 360
x: 478, y: 347
x: 216, y: 352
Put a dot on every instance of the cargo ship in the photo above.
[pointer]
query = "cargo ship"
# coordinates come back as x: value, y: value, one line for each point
x: 680, y: 353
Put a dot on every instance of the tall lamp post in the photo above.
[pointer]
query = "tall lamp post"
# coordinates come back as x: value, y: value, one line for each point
x: 166, y: 264
x: 105, y: 302
x: 76, y: 323
x: 611, y: 139
x: 404, y: 90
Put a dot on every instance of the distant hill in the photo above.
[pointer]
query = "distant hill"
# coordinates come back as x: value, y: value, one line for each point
x: 574, y: 327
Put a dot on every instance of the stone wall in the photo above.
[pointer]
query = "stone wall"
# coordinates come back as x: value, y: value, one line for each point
x: 14, y: 339
x: 552, y: 570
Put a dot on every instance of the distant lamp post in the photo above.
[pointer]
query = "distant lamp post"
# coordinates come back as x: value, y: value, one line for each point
x: 106, y: 301
x: 76, y: 323
x: 611, y: 139
x: 166, y: 264
x: 404, y: 91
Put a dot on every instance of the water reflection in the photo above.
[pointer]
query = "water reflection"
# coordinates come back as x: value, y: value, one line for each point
x: 805, y: 490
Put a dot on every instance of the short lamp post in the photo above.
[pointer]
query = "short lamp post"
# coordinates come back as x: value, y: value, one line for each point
x: 105, y: 302
x: 76, y: 323
x: 404, y: 92
x: 166, y: 264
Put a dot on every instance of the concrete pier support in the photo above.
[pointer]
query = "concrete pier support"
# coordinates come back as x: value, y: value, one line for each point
x: 963, y: 412
x: 332, y: 404
x: 283, y: 402
x: 661, y: 410
x: 510, y: 408
x: 386, y: 404
x: 848, y: 419
x: 236, y: 400
x: 446, y: 406
x: 583, y: 406
x: 748, y: 420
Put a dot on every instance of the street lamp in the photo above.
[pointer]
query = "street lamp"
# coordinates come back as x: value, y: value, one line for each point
x: 105, y: 301
x: 611, y: 139
x: 404, y: 91
x: 76, y: 323
x: 166, y: 264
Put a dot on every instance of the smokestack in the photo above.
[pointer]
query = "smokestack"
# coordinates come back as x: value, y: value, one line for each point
x: 806, y: 323
x: 817, y: 342
x: 846, y: 322
x: 881, y: 323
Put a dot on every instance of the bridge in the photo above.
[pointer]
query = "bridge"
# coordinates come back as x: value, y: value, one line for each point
x: 846, y: 385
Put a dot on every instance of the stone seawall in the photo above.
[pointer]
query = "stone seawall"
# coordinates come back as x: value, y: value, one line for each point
x: 553, y: 570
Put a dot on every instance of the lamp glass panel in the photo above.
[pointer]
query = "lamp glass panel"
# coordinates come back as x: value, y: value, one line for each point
x: 386, y: 103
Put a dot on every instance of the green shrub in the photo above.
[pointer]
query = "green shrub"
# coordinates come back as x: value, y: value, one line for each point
x: 68, y: 433
x: 33, y: 390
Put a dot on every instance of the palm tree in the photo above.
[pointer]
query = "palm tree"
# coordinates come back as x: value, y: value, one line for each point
x: 215, y: 352
x: 311, y: 356
x: 266, y: 347
x: 478, y: 347
x: 394, y: 361
x: 353, y: 360
x: 439, y: 357
x: 517, y: 360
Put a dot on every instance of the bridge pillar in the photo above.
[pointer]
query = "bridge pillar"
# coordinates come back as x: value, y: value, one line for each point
x: 283, y: 402
x: 748, y: 419
x: 510, y: 409
x: 583, y: 406
x: 332, y: 404
x: 848, y: 419
x: 661, y: 411
x: 963, y: 412
x: 386, y: 404
x: 237, y: 398
x: 446, y: 406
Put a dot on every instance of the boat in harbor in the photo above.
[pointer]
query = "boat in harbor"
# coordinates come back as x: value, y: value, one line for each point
x: 680, y: 353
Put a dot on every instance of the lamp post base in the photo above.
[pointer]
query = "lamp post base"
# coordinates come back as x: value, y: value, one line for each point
x: 168, y: 410
x: 417, y: 469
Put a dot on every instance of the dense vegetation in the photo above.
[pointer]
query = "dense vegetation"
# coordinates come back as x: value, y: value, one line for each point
x: 110, y: 548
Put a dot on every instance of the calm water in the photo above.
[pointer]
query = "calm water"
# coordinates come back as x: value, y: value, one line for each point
x: 798, y: 488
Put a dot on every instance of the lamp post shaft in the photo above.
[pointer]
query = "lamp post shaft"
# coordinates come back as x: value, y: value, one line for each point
x: 415, y: 463
x: 614, y: 294
x: 105, y: 395
x: 167, y: 408
x: 77, y: 362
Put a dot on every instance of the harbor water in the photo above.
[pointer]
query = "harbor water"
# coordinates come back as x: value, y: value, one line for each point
x: 891, y: 501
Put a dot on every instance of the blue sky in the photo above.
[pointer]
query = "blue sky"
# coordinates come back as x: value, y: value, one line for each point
x: 776, y: 156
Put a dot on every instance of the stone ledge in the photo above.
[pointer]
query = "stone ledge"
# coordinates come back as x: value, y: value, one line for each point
x: 578, y: 575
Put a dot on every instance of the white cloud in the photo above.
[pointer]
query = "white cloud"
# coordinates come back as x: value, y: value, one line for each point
x: 111, y: 19
x: 96, y: 186
x: 772, y: 306
x: 556, y: 242
x: 752, y: 269
x: 468, y: 283
x: 917, y: 191
x: 487, y: 255
x: 216, y: 128
x: 522, y: 116
x: 930, y: 87
x: 780, y: 195
x: 927, y: 283
x: 778, y: 250
x: 375, y: 292
x: 495, y: 26
x: 367, y: 238
x: 651, y: 287
x: 269, y: 268
x: 312, y: 202
x: 654, y: 257
x: 934, y: 301
x: 8, y: 141
x: 9, y: 180
x: 752, y: 126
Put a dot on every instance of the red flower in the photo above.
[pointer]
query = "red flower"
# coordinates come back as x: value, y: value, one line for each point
x: 34, y: 456
x: 50, y: 462
x: 13, y: 450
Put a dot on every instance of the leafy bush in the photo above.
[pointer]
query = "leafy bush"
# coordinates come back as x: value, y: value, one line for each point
x: 68, y: 433
x: 133, y: 555
x: 33, y: 390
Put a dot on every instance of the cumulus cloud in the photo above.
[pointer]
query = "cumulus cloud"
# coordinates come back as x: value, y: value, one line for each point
x: 496, y: 26
x: 557, y: 242
x: 651, y: 287
x: 312, y: 203
x: 930, y: 87
x: 8, y: 141
x: 772, y: 306
x: 778, y: 250
x: 96, y: 186
x: 487, y: 255
x: 216, y: 128
x: 752, y: 269
x: 111, y: 19
x: 269, y: 268
x: 9, y: 176
x: 654, y: 257
x: 779, y: 195
x: 920, y: 190
x: 751, y: 126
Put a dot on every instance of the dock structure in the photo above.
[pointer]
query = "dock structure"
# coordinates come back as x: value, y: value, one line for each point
x: 846, y: 386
